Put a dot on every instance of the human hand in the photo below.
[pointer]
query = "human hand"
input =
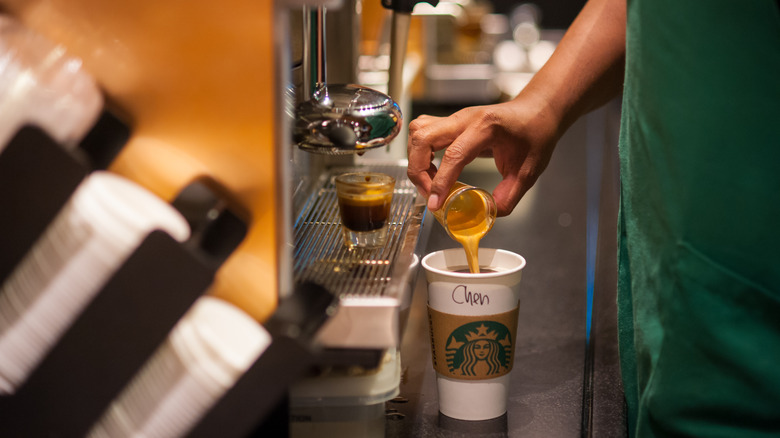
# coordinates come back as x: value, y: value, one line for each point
x: 520, y: 135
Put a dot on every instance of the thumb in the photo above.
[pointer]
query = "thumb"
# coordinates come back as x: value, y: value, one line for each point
x: 507, y: 194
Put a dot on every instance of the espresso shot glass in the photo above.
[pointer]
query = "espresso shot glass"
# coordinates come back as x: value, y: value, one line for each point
x: 364, y: 200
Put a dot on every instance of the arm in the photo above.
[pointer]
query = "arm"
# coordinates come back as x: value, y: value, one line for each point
x: 585, y: 71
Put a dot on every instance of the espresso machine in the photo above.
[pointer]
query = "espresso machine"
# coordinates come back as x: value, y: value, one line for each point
x: 362, y: 369
x: 335, y: 128
x: 258, y: 105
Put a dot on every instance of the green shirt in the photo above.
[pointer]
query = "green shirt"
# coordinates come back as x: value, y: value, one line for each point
x: 699, y: 228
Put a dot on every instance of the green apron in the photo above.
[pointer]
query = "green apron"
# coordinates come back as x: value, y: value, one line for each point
x: 699, y: 228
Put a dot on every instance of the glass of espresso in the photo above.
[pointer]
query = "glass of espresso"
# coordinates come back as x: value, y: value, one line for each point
x: 364, y: 204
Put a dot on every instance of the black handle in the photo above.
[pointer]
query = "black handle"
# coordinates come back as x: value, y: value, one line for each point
x: 405, y: 6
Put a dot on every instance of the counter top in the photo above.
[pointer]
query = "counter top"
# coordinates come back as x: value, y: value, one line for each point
x: 563, y: 384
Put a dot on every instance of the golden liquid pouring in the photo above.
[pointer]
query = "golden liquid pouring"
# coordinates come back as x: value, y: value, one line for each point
x: 467, y: 215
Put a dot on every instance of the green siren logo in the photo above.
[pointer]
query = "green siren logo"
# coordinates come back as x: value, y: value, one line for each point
x: 479, y: 349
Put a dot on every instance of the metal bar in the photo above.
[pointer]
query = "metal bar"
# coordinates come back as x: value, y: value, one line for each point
x: 320, y: 255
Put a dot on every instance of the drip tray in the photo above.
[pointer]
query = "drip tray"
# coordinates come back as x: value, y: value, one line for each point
x: 374, y: 286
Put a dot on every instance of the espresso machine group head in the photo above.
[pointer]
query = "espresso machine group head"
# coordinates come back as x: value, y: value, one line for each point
x: 339, y: 119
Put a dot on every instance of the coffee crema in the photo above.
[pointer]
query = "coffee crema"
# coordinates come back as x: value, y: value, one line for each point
x: 364, y: 214
x: 482, y: 270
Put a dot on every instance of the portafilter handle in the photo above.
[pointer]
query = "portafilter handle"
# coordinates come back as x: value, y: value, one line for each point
x: 405, y: 6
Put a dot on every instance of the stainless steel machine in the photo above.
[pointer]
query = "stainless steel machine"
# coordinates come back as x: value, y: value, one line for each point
x: 222, y: 98
x: 361, y: 340
x: 373, y: 284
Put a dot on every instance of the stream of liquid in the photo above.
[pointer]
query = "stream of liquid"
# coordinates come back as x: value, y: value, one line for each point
x: 467, y: 221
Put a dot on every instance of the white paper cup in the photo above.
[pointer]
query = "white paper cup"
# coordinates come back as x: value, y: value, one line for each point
x: 473, y: 326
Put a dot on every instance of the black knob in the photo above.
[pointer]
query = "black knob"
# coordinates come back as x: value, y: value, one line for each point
x: 405, y: 5
x: 342, y: 136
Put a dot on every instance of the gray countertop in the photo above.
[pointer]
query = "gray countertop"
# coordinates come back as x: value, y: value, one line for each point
x: 559, y: 388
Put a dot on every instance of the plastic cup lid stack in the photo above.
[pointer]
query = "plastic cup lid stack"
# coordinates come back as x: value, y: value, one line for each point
x: 205, y: 354
x: 40, y: 83
x: 104, y: 221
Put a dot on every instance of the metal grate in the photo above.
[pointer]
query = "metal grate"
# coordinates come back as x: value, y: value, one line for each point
x: 320, y: 254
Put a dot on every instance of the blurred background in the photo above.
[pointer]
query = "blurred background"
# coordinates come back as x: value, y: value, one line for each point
x: 200, y: 103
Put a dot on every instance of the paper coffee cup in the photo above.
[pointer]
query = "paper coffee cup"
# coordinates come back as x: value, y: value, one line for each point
x: 473, y: 327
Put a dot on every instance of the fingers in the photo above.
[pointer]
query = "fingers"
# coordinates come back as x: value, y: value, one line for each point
x: 420, y: 168
x: 455, y: 158
x: 507, y: 194
x: 427, y: 134
x: 519, y: 139
x: 520, y: 172
x: 464, y: 136
x: 473, y: 142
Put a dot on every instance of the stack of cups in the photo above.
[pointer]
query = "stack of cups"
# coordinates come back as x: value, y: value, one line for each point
x: 205, y: 354
x: 41, y: 84
x: 473, y: 326
x: 103, y: 222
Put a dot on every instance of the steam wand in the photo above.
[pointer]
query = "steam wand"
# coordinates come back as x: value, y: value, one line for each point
x: 341, y: 118
x: 399, y: 35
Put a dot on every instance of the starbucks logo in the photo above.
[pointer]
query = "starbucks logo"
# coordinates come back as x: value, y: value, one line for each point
x: 479, y: 349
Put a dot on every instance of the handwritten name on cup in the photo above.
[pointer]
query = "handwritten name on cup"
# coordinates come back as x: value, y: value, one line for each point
x: 462, y: 295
